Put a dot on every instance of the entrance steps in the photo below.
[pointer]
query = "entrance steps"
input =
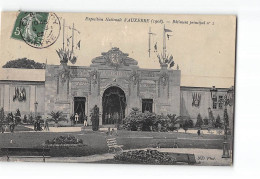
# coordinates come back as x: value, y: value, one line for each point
x: 107, y: 126
x: 101, y: 128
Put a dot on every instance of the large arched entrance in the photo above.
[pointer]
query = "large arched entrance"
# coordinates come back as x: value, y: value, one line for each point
x: 114, y: 104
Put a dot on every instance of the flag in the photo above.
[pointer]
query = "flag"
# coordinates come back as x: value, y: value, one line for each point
x: 167, y: 30
x: 155, y: 47
x: 168, y: 36
x: 68, y: 41
x: 78, y: 45
x: 172, y: 64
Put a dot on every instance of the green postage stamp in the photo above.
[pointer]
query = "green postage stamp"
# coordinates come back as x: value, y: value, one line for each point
x: 37, y: 29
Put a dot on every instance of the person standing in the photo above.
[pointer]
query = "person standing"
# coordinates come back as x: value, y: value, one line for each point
x: 35, y: 125
x: 38, y: 125
x: 76, y: 118
x: 12, y: 123
x: 159, y: 127
x: 85, y: 121
x: 198, y: 132
x: 46, y: 124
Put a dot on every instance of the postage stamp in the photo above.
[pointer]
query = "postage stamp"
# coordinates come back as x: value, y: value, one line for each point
x: 37, y: 29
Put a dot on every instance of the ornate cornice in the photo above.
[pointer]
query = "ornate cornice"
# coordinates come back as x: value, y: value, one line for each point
x: 114, y: 58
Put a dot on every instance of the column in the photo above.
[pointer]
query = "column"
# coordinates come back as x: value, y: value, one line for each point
x: 32, y: 98
x: 6, y: 97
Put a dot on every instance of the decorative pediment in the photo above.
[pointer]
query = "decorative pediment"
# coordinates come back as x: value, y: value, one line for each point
x: 114, y: 58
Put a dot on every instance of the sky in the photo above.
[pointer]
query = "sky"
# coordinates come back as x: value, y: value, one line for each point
x: 203, y: 46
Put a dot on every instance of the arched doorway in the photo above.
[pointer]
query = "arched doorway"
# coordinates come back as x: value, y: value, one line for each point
x: 114, y: 104
x: 79, y: 107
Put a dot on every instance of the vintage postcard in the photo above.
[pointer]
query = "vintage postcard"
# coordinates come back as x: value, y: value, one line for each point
x: 117, y: 88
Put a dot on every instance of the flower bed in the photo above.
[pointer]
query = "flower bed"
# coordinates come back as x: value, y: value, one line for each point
x: 146, y: 157
x: 64, y: 141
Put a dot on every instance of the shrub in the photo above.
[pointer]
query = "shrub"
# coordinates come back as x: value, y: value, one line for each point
x: 218, y: 123
x: 185, y: 128
x: 161, y: 123
x: 173, y: 122
x: 133, y: 121
x: 147, y: 121
x: 25, y: 119
x: 10, y: 117
x: 226, y: 121
x: 18, y: 116
x: 187, y: 124
x: 39, y: 118
x: 199, y: 122
x: 57, y: 117
x: 211, y: 119
x: 206, y: 121
x: 30, y: 118
x: 190, y: 123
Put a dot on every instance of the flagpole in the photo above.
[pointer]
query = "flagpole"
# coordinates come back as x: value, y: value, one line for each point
x: 72, y: 37
x: 149, y: 42
x: 164, y: 43
x: 63, y: 35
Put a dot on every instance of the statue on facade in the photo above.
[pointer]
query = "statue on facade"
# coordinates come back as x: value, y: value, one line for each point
x: 164, y: 78
x: 134, y: 77
x: 95, y: 118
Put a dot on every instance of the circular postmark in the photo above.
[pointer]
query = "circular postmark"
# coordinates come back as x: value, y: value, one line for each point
x: 40, y: 29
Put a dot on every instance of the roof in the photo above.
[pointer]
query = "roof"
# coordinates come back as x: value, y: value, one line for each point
x: 17, y: 74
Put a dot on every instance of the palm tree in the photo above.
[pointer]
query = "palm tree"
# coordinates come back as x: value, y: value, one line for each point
x: 174, y: 121
x: 57, y: 117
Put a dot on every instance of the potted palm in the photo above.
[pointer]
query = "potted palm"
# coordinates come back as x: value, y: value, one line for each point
x: 56, y: 117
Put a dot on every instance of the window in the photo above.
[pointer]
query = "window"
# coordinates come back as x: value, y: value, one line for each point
x: 147, y: 105
x: 215, y: 102
x: 214, y: 105
x: 220, y: 102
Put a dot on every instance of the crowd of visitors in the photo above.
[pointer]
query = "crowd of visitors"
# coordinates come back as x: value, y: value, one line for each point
x: 39, y: 124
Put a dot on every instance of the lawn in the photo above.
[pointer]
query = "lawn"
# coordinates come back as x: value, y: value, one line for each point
x: 132, y: 140
x: 96, y: 141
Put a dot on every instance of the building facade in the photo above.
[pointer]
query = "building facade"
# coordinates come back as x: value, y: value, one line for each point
x: 114, y: 83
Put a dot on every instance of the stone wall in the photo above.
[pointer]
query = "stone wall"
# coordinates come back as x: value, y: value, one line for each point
x: 192, y: 111
x: 51, y: 90
x: 163, y: 86
x: 34, y: 91
x: 137, y: 84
